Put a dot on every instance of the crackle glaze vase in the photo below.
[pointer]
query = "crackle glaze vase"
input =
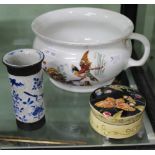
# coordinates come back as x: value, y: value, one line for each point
x: 86, y: 48
x: 24, y: 67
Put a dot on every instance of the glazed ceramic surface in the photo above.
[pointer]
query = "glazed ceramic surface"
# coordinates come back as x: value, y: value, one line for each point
x: 27, y: 94
x: 117, y: 106
x: 86, y: 48
x: 26, y: 90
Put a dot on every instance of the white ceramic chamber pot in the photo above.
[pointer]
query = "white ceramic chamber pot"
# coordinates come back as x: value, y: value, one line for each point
x: 86, y: 48
x: 26, y: 80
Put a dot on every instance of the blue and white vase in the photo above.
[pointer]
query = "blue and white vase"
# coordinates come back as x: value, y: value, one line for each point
x: 26, y: 80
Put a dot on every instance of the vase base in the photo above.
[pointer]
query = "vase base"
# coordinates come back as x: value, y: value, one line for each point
x: 31, y: 126
x: 79, y: 89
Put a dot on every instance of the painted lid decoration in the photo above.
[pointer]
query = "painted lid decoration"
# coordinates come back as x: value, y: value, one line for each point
x: 117, y: 101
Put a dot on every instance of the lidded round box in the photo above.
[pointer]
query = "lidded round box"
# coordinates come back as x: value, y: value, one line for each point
x: 116, y: 111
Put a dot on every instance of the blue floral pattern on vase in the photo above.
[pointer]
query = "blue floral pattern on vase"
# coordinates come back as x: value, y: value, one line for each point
x: 23, y: 119
x: 14, y: 83
x: 37, y: 83
x: 29, y: 101
x: 27, y: 94
x: 38, y: 111
x: 37, y: 97
x: 16, y: 98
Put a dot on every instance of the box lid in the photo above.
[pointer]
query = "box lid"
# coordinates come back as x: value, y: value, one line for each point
x: 117, y: 104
